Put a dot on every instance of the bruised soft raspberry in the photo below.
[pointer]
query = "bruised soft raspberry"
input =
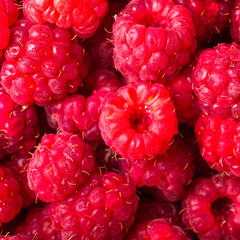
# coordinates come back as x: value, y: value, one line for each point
x: 83, y: 17
x: 219, y: 142
x: 152, y: 39
x: 61, y: 163
x: 19, y: 126
x: 235, y: 19
x: 158, y: 228
x: 77, y: 114
x: 38, y: 225
x: 10, y: 199
x: 43, y: 63
x: 18, y: 165
x: 216, y: 80
x: 169, y: 172
x: 139, y: 121
x: 211, y: 207
x: 209, y: 16
x: 103, y: 209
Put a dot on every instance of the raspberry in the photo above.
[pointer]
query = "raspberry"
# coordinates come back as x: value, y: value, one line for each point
x: 8, y: 16
x: 157, y: 229
x: 183, y: 97
x: 61, y: 163
x: 139, y: 121
x: 10, y: 199
x: 152, y: 39
x: 18, y: 166
x: 235, y: 19
x: 75, y: 114
x: 217, y: 80
x: 38, y: 225
x: 219, y: 141
x: 19, y: 127
x: 83, y: 17
x: 16, y: 237
x: 103, y: 209
x: 170, y: 172
x: 209, y: 16
x: 211, y: 207
x: 42, y: 63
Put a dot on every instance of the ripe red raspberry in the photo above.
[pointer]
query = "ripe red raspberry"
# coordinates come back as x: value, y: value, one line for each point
x: 77, y: 114
x: 83, y: 17
x: 16, y: 237
x: 38, y: 225
x: 170, y: 172
x: 139, y: 121
x: 42, y: 63
x: 158, y: 228
x: 209, y: 16
x: 103, y: 209
x: 10, y: 199
x: 8, y: 16
x: 235, y: 19
x: 152, y: 39
x: 219, y: 142
x: 19, y: 127
x: 18, y: 165
x: 61, y: 163
x: 217, y: 80
x: 211, y: 207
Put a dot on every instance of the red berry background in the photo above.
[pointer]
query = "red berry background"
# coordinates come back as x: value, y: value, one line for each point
x: 119, y: 119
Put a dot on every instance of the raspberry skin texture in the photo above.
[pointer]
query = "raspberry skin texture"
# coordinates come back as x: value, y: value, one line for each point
x: 235, y: 19
x: 15, y: 237
x: 170, y: 172
x: 43, y: 63
x: 152, y: 39
x: 10, y: 199
x: 216, y: 80
x: 61, y: 163
x: 17, y: 165
x: 211, y: 207
x: 19, y: 127
x: 84, y: 17
x: 219, y: 141
x: 157, y: 229
x: 139, y: 121
x: 209, y: 16
x: 103, y: 209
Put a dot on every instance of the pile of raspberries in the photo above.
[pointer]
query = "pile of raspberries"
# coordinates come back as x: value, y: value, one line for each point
x: 119, y: 119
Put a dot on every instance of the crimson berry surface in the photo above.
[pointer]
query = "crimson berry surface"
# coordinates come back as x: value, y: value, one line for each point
x: 139, y: 121
x: 235, y: 18
x: 152, y: 39
x: 43, y: 63
x: 61, y: 163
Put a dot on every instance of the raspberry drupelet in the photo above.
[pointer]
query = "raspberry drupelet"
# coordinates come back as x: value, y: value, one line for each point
x: 209, y: 16
x: 61, y: 163
x: 43, y: 63
x: 152, y: 39
x: 158, y: 228
x: 102, y: 209
x: 19, y: 126
x: 219, y: 143
x: 139, y: 121
x: 170, y: 172
x: 15, y: 237
x: 211, y: 207
x: 216, y: 80
x: 84, y: 17
x: 10, y: 199
x: 235, y: 18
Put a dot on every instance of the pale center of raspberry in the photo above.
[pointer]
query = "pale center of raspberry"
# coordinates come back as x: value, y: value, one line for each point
x: 222, y: 208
